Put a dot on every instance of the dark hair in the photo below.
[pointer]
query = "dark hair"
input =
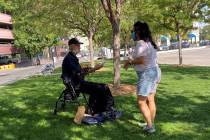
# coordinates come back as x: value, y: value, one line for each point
x: 143, y: 31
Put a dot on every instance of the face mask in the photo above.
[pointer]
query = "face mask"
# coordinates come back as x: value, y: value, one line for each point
x: 133, y: 36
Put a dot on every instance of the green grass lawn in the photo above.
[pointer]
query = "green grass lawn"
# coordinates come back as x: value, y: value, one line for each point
x: 183, y: 101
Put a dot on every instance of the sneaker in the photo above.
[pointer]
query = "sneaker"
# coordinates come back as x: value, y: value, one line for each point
x: 149, y: 130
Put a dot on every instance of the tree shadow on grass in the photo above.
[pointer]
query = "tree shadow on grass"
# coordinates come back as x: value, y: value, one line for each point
x: 27, y: 113
x: 200, y: 72
x: 33, y: 117
x: 187, y: 115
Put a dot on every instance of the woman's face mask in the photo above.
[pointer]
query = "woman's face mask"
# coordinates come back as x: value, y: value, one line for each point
x: 133, y: 36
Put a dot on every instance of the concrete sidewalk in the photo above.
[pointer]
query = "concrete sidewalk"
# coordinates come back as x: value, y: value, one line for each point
x: 199, y: 56
x: 11, y: 76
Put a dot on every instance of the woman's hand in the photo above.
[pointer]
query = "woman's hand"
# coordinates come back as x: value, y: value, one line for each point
x: 126, y: 64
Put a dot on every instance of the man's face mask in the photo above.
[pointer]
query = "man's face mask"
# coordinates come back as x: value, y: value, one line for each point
x: 133, y: 36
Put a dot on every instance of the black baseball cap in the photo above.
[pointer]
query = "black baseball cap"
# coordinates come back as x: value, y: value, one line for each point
x: 74, y: 41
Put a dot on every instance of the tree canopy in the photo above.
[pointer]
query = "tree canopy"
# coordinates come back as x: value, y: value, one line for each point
x: 37, y: 24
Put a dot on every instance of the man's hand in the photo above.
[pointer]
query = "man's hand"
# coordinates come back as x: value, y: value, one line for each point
x: 88, y: 70
x: 98, y: 66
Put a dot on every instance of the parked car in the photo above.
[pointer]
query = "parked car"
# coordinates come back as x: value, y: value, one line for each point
x: 8, y: 60
x: 185, y: 44
x: 174, y: 45
x: 204, y: 42
x: 122, y: 53
x: 163, y: 47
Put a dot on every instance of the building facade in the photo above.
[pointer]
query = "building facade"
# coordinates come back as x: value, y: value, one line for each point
x: 6, y: 35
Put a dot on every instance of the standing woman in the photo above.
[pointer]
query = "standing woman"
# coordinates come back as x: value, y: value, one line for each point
x: 144, y: 59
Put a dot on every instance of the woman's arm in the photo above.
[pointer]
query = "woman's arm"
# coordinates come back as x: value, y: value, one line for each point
x: 138, y: 55
x: 136, y: 61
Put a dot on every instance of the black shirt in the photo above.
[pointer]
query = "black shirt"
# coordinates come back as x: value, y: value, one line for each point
x: 72, y: 69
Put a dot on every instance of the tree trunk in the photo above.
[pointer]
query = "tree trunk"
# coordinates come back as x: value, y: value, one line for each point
x: 91, y: 50
x: 116, y: 53
x: 114, y: 18
x: 180, y: 48
x: 179, y: 42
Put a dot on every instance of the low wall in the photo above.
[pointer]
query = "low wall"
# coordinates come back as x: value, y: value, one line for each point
x: 7, y: 67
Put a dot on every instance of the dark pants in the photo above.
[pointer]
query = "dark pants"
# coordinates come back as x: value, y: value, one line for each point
x: 100, y: 97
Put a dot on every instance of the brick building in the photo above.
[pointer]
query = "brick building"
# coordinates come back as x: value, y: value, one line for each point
x: 6, y: 35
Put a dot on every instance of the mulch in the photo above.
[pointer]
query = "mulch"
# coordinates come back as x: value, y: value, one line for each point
x: 124, y: 89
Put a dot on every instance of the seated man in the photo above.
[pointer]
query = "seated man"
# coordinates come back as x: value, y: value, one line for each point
x: 100, y: 99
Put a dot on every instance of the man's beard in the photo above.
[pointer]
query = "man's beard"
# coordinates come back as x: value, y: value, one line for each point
x: 75, y: 52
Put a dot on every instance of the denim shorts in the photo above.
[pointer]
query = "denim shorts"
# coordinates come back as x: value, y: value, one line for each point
x: 148, y: 81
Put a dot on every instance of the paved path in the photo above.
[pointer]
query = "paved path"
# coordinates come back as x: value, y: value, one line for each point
x: 192, y: 56
x: 10, y: 76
